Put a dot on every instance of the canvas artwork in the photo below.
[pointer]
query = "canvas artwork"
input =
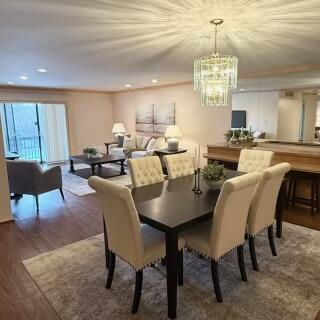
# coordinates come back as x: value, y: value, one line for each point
x: 164, y: 115
x: 155, y: 117
x: 144, y: 118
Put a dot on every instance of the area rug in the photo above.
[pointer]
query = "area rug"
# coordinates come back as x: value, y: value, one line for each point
x: 79, y: 186
x: 287, y: 287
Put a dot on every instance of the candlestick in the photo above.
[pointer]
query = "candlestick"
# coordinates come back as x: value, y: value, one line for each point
x: 198, y: 191
x: 195, y: 180
x: 198, y: 166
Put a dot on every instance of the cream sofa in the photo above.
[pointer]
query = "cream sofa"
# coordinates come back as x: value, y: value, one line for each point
x: 138, y: 142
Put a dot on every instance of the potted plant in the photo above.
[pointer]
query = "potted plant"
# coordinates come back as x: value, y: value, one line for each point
x: 214, y: 175
x: 90, y: 152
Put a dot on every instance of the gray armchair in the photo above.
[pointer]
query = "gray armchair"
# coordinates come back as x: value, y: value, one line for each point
x: 27, y: 177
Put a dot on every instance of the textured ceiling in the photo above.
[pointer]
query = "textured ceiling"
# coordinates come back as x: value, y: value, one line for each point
x: 104, y: 44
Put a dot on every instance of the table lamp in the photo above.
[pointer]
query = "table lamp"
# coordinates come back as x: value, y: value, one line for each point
x: 173, y: 133
x: 118, y: 129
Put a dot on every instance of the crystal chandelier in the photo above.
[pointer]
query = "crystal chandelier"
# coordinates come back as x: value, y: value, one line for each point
x: 215, y: 75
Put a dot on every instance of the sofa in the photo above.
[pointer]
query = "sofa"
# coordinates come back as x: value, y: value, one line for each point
x: 144, y: 145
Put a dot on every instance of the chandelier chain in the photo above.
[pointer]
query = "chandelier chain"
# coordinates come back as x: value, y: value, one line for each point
x: 215, y: 38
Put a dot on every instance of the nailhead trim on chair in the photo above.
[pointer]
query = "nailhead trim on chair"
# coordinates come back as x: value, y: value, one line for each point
x: 210, y: 258
x: 137, y: 269
x: 264, y: 228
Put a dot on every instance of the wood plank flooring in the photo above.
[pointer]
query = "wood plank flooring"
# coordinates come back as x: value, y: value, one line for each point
x: 58, y: 223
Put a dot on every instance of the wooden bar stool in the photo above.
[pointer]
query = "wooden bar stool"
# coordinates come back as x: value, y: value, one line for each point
x: 313, y: 180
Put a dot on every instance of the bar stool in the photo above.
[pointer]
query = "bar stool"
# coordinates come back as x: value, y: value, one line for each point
x: 313, y: 179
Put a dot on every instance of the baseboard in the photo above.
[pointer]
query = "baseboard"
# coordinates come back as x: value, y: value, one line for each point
x: 9, y: 219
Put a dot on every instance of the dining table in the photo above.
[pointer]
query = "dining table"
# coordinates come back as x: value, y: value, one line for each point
x: 171, y: 207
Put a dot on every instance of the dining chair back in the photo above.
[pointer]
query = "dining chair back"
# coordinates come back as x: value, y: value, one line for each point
x: 137, y: 244
x: 254, y: 160
x: 121, y: 220
x: 179, y: 165
x: 263, y: 206
x: 145, y: 171
x: 231, y: 213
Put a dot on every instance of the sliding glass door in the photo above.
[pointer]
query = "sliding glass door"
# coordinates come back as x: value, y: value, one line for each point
x: 36, y: 131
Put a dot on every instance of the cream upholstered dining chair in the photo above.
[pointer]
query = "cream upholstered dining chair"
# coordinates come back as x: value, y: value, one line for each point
x: 227, y: 230
x: 263, y: 206
x: 254, y: 160
x: 137, y: 244
x: 145, y: 171
x: 179, y: 165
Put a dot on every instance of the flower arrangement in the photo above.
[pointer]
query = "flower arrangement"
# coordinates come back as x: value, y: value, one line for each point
x: 239, y: 136
x: 91, y: 151
x: 214, y: 174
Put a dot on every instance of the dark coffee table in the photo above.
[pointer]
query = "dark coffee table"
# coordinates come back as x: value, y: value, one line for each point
x: 97, y: 162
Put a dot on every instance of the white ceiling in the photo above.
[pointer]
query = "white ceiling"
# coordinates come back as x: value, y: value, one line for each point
x: 104, y: 44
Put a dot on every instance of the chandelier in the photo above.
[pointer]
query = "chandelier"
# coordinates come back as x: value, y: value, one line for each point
x: 215, y: 75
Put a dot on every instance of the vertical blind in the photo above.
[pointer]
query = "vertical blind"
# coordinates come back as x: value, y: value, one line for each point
x: 35, y: 131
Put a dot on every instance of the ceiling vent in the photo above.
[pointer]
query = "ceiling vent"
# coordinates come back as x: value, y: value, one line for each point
x: 289, y: 94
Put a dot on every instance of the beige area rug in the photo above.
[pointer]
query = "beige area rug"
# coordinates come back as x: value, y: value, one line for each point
x: 288, y: 286
x: 79, y: 186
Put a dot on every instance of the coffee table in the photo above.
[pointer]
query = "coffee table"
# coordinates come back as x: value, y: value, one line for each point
x: 97, y: 162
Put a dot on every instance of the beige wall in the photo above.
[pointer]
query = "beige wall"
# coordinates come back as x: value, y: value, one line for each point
x: 89, y: 114
x: 5, y: 209
x: 261, y: 109
x: 199, y: 125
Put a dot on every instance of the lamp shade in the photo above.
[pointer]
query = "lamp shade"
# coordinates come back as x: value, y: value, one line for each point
x: 173, y: 131
x: 118, y: 128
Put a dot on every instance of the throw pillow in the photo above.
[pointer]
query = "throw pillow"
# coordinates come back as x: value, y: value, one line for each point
x: 129, y: 143
x: 150, y: 145
x: 145, y: 141
x: 160, y: 143
x: 139, y: 141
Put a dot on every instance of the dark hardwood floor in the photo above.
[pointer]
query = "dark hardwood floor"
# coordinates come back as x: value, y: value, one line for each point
x: 57, y: 224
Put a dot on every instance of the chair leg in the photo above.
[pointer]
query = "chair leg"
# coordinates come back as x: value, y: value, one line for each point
x: 112, y: 262
x: 317, y: 194
x: 37, y: 203
x: 215, y: 280
x: 241, y: 263
x: 61, y: 192
x: 253, y: 256
x: 271, y: 241
x: 180, y: 268
x: 137, y: 291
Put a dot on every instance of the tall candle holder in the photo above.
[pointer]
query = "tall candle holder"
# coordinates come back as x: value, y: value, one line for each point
x: 198, y: 191
x: 195, y: 180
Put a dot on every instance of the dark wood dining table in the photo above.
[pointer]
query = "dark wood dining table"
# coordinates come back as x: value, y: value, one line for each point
x: 171, y: 207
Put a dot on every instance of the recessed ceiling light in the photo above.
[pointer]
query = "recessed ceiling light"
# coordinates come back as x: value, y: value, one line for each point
x: 42, y: 70
x: 128, y: 85
x: 241, y: 89
x: 24, y: 77
x: 154, y: 80
x: 10, y: 83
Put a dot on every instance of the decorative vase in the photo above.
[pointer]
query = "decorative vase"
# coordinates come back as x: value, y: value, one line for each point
x: 89, y: 155
x: 215, y: 184
x: 233, y: 139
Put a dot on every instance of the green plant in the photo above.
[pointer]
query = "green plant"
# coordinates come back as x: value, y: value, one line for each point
x: 237, y: 132
x: 214, y: 172
x: 90, y: 150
